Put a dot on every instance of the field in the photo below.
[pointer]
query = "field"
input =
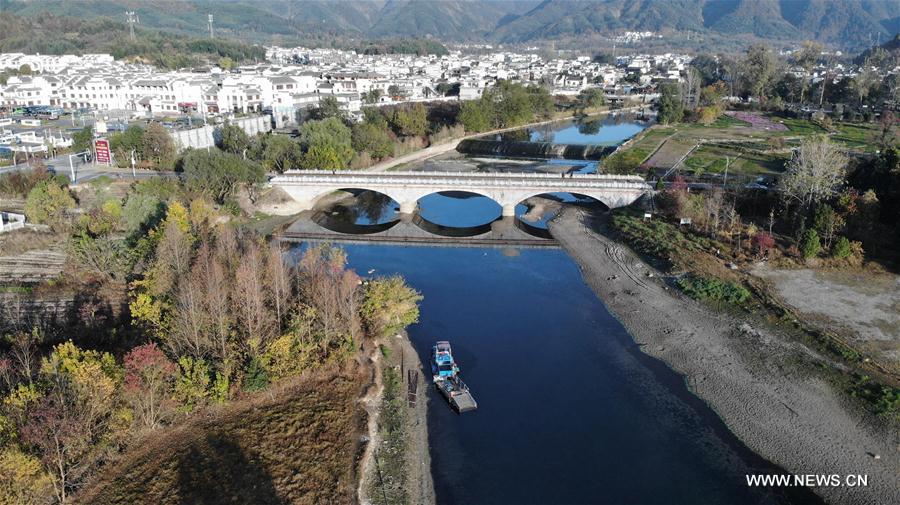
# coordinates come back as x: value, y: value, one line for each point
x: 758, y: 149
x: 298, y: 444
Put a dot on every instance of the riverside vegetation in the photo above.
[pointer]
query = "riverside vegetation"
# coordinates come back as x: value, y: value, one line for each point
x: 171, y: 313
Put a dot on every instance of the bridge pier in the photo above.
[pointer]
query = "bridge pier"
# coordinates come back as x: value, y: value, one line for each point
x: 509, y: 210
x: 408, y: 207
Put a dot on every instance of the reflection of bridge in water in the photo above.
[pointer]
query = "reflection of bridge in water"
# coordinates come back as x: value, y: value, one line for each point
x: 315, y: 226
x: 508, y: 190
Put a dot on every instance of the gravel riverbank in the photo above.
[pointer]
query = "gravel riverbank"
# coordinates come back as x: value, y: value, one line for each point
x: 750, y: 376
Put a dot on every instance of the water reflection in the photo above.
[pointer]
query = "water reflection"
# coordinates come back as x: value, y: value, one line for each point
x: 458, y: 209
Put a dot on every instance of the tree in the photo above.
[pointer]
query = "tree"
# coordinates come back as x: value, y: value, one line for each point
x: 827, y: 223
x: 83, y: 140
x: 277, y: 153
x: 22, y: 479
x: 322, y: 157
x: 810, y: 245
x: 226, y: 63
x: 815, y: 172
x: 328, y: 107
x: 232, y: 139
x: 670, y: 110
x: 25, y: 69
x: 841, y: 249
x: 367, y: 137
x: 476, y: 115
x: 218, y: 174
x: 690, y: 88
x: 48, y: 203
x: 157, y: 146
x: 192, y: 384
x: 149, y: 377
x: 389, y: 306
x: 410, y: 121
x: 759, y: 68
x: 591, y: 98
x: 763, y: 241
x: 123, y: 143
x: 328, y: 144
x: 807, y: 57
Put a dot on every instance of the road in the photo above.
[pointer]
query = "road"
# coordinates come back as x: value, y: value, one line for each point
x: 87, y: 171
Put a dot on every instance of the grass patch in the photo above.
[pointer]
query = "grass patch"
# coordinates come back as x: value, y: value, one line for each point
x: 700, y: 288
x: 298, y: 445
x: 884, y: 400
x: 800, y: 126
x: 391, y: 453
x: 658, y: 238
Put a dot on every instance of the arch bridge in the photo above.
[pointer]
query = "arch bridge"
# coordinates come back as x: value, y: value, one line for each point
x: 507, y: 189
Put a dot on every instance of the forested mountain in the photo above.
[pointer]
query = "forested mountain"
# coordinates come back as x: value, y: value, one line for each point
x: 852, y: 24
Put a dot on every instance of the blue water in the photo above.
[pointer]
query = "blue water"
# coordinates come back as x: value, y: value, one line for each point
x: 570, y: 411
x: 609, y: 131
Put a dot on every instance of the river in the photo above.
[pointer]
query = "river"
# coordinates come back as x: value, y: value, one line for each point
x: 570, y: 410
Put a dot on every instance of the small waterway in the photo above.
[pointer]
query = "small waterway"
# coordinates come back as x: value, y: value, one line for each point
x: 570, y: 410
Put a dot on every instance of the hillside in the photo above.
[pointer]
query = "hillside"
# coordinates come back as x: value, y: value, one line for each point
x: 51, y: 34
x: 851, y: 24
x: 298, y: 445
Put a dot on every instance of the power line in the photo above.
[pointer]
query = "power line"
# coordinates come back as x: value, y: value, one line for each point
x: 210, y: 25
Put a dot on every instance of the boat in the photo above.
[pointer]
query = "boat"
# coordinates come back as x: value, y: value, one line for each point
x: 445, y: 374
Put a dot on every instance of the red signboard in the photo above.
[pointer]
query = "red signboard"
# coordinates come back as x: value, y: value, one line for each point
x: 101, y: 146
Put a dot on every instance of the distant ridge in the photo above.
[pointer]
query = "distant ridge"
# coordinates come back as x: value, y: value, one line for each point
x: 850, y: 24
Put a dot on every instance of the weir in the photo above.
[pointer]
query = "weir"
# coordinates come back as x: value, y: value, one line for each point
x: 522, y: 149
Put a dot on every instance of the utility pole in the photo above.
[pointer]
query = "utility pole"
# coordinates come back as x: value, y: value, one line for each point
x: 131, y: 18
x: 210, y: 25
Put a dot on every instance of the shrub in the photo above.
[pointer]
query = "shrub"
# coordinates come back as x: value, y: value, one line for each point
x: 700, y: 288
x: 762, y: 241
x: 810, y: 245
x: 841, y: 248
x: 49, y: 204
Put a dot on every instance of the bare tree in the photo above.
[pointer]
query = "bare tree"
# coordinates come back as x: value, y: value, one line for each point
x: 278, y: 278
x: 816, y: 171
x: 690, y: 88
x: 25, y: 353
x: 250, y: 299
x: 190, y: 329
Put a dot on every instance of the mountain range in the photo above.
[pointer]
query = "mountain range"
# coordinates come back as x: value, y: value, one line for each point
x: 849, y: 24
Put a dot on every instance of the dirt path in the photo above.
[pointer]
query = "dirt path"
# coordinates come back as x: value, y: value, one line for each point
x: 747, y: 375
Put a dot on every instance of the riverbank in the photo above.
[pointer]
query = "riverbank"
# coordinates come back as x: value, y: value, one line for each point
x: 763, y: 385
x: 451, y: 145
x: 396, y: 467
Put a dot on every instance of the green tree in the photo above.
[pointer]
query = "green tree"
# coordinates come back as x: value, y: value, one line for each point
x: 367, y: 137
x: 123, y: 143
x: 410, y: 121
x: 670, y: 110
x: 218, y: 174
x: 328, y: 107
x: 49, y: 203
x: 25, y: 69
x: 476, y: 115
x: 330, y: 140
x: 758, y: 69
x: 841, y: 249
x: 83, y: 139
x: 276, y: 153
x: 810, y: 246
x: 232, y: 139
x: 192, y: 385
x: 591, y: 98
x: 322, y: 157
x: 389, y: 306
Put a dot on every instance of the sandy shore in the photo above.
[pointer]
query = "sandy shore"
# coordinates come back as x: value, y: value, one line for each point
x: 418, y: 459
x: 749, y: 375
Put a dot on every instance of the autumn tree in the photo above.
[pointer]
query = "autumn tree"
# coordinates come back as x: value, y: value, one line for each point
x: 389, y: 306
x: 410, y: 121
x: 157, y: 146
x: 149, y: 377
x: 49, y: 203
x: 816, y: 171
x: 218, y: 174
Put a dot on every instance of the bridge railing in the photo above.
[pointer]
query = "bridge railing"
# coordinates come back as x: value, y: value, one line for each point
x: 455, y: 178
x: 550, y: 183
